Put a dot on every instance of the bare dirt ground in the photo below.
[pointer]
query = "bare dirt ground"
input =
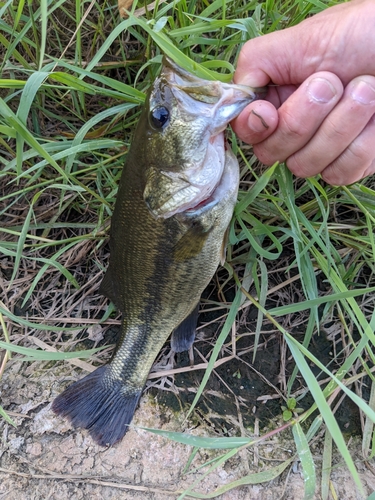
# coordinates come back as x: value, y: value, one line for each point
x: 44, y: 458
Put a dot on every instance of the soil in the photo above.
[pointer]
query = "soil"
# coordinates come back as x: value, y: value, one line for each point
x: 43, y: 457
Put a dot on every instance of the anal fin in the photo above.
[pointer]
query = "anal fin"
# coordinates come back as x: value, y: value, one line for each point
x: 184, y: 334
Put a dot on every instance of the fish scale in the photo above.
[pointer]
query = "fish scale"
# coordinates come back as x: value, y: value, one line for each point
x: 175, y: 201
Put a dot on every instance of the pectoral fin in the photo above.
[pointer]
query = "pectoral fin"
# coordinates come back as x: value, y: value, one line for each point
x: 191, y: 243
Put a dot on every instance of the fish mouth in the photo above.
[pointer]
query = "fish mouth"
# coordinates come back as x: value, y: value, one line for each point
x: 207, y: 107
x: 207, y: 199
x: 228, y: 183
x: 192, y: 188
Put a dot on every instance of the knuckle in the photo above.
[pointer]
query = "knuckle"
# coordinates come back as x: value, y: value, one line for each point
x: 334, y: 130
x: 264, y: 155
x: 293, y: 127
x: 361, y: 149
x: 333, y: 175
x: 351, y: 165
x: 299, y: 166
x: 357, y: 153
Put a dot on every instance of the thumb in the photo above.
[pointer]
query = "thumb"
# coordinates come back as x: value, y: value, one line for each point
x: 266, y: 58
x: 332, y: 40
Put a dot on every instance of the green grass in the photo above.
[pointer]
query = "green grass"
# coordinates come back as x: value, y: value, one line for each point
x: 71, y: 84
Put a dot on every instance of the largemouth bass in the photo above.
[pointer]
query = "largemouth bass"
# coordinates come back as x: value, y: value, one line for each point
x: 175, y: 201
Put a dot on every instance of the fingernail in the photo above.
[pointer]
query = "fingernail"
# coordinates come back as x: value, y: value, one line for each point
x: 363, y: 92
x: 321, y: 90
x: 256, y: 122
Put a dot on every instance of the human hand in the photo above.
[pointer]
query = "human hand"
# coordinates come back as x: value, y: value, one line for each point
x: 320, y: 116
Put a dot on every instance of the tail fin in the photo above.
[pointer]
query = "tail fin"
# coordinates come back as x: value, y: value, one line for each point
x: 98, y: 405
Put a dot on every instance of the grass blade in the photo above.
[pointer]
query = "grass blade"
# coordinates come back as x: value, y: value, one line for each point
x: 307, y: 462
x: 326, y: 465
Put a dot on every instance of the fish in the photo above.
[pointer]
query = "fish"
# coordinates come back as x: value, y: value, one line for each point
x: 175, y: 200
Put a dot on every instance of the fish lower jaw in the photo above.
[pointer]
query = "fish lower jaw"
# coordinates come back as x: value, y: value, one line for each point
x: 188, y: 198
x: 204, y: 196
x: 203, y: 202
x: 226, y: 188
x: 202, y: 181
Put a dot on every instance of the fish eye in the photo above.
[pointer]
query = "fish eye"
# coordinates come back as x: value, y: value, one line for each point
x: 159, y: 116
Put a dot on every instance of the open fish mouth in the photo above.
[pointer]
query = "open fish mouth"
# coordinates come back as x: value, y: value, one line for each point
x: 198, y: 113
x: 191, y: 189
x: 228, y: 179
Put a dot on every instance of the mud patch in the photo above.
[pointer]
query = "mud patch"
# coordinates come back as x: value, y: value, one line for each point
x: 43, y: 457
x: 245, y: 392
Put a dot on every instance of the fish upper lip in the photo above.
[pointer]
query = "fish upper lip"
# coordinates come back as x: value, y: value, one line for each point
x: 191, y: 79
